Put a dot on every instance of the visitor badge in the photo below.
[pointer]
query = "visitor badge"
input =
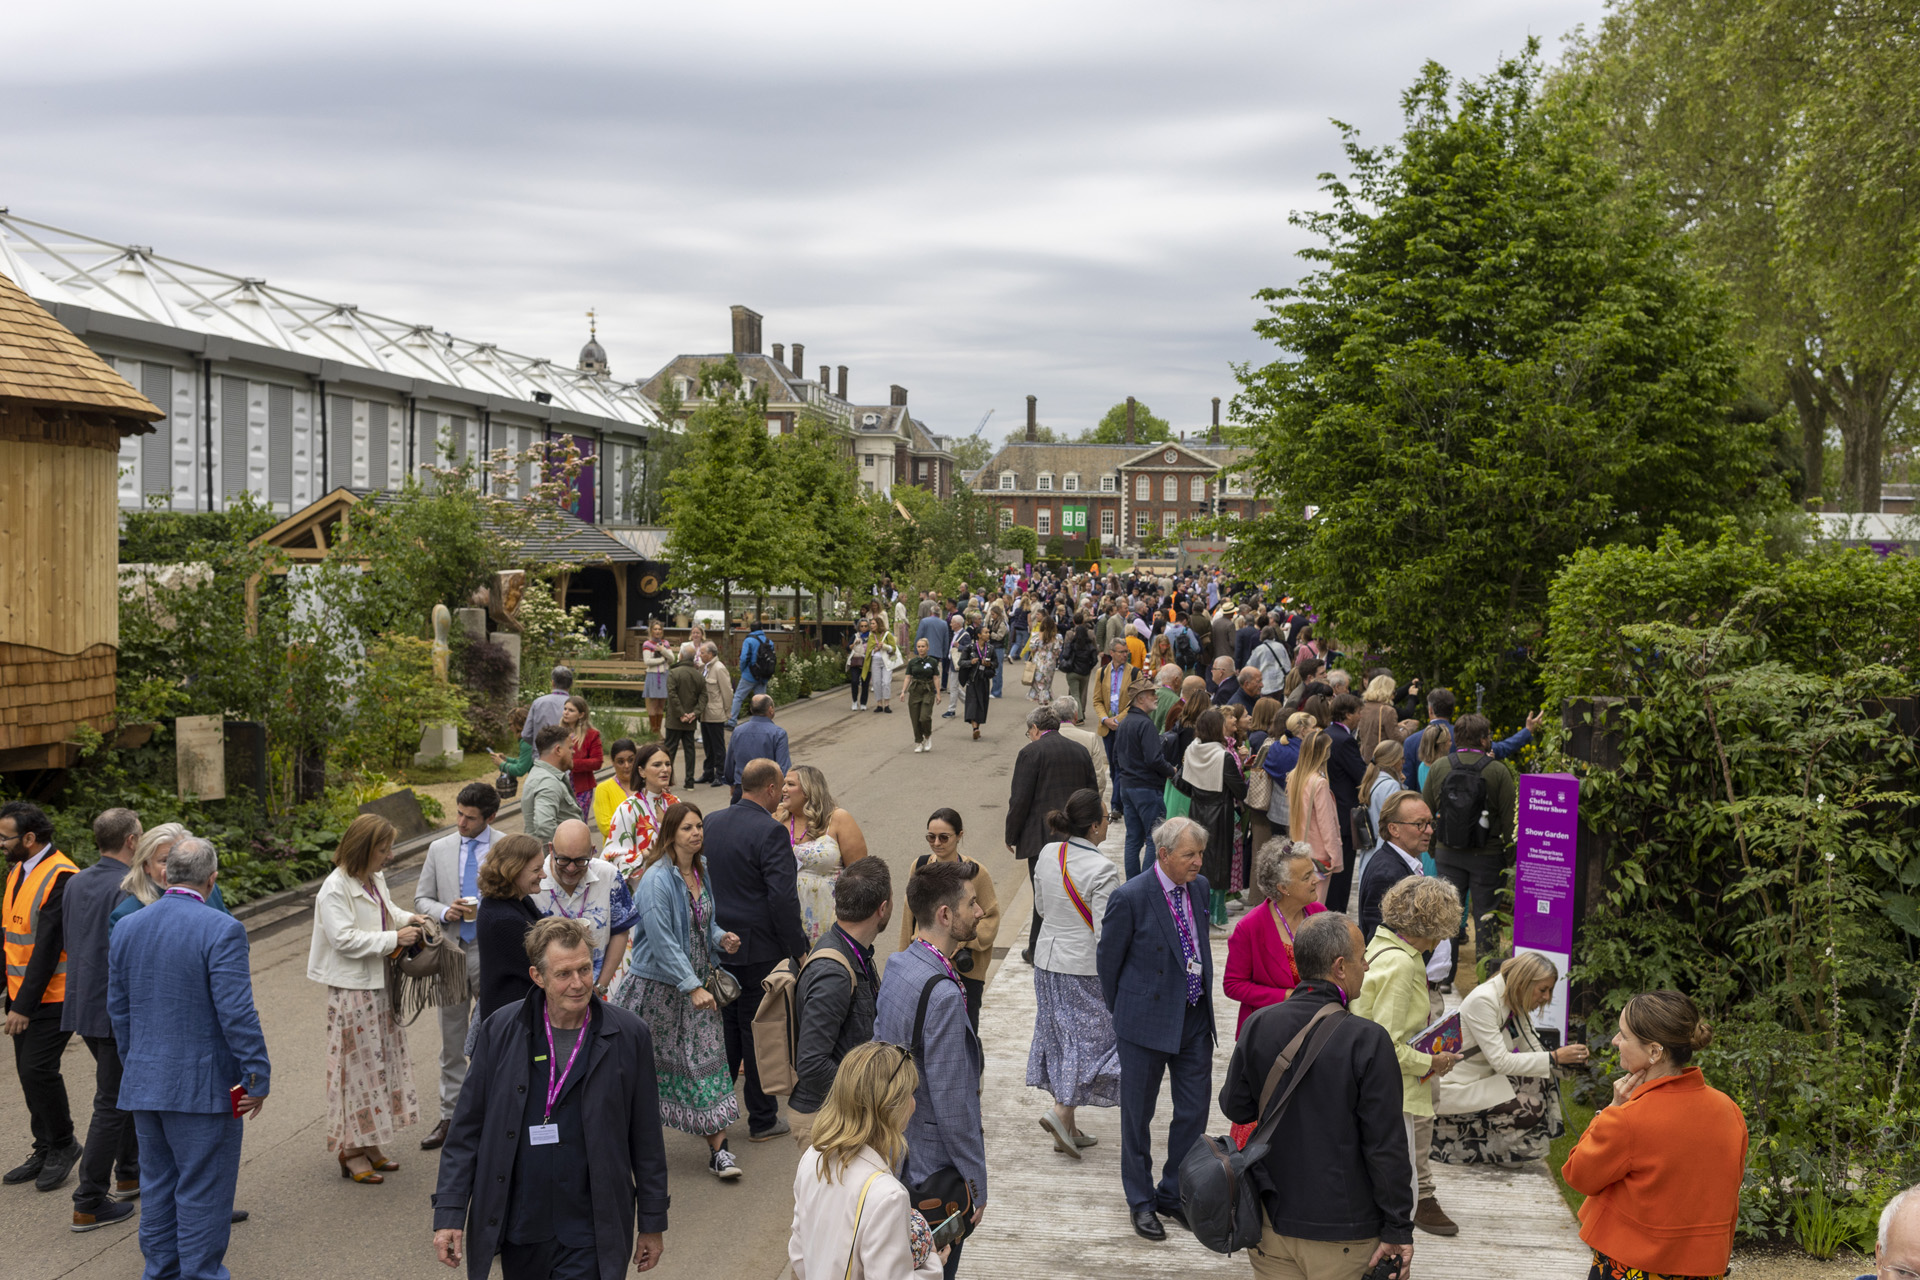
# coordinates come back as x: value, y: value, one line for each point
x: 1193, y: 967
x: 543, y: 1135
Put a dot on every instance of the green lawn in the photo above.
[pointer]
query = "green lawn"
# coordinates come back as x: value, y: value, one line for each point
x: 1577, y: 1118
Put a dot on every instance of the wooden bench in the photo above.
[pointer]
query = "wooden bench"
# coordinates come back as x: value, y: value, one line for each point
x: 609, y: 675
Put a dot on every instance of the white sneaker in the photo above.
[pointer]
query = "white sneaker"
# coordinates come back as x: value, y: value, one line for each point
x: 929, y: 745
x: 856, y: 706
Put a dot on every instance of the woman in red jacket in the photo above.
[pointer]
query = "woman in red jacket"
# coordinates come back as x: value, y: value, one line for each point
x: 1260, y: 969
x: 588, y: 755
x: 1661, y: 1167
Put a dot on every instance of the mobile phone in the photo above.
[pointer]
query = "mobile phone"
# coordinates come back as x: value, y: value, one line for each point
x: 236, y: 1093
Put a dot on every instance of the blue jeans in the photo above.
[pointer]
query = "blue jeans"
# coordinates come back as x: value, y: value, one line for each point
x: 1143, y: 808
x: 747, y: 687
x: 999, y: 668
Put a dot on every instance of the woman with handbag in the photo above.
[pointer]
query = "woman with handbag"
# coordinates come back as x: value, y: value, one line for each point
x: 1260, y: 968
x: 851, y: 1215
x: 588, y: 754
x: 882, y: 652
x: 674, y: 985
x: 1500, y: 1106
x: 357, y: 927
x: 973, y: 668
x: 944, y: 830
x: 1044, y: 659
x: 858, y: 673
x: 1075, y: 1055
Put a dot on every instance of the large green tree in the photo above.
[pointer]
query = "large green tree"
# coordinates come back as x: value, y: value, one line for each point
x: 1785, y: 136
x: 1499, y: 357
x: 830, y: 537
x: 1112, y: 427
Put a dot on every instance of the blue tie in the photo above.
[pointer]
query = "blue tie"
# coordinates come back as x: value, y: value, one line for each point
x: 469, y: 883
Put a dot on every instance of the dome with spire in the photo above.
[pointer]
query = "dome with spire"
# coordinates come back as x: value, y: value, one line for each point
x: 593, y: 356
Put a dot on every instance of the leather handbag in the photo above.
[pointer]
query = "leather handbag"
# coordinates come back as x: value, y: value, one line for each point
x: 724, y: 986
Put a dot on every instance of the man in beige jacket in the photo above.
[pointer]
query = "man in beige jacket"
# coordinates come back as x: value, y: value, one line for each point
x: 713, y: 715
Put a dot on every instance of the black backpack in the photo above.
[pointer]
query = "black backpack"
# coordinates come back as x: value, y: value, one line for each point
x: 761, y: 665
x: 1186, y: 650
x: 1463, y: 798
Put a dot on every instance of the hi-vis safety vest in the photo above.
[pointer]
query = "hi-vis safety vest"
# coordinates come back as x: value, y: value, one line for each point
x: 23, y: 918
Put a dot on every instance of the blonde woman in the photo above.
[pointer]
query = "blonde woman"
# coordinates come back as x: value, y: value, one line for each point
x: 146, y: 879
x: 1415, y: 917
x: 656, y: 655
x: 851, y: 1215
x: 1311, y: 813
x: 1377, y: 720
x: 1044, y: 651
x: 825, y: 838
x: 881, y: 655
x: 356, y: 926
x: 1435, y: 742
x: 1499, y: 1106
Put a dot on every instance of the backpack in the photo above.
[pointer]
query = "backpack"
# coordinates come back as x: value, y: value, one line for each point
x: 1463, y: 801
x: 776, y: 1023
x: 763, y: 662
x: 1217, y: 1187
x: 1364, y: 835
x: 1186, y: 650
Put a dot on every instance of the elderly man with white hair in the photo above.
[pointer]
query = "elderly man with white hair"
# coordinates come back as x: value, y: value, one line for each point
x: 1222, y: 681
x: 1067, y: 708
x: 1161, y: 998
x: 1896, y: 1253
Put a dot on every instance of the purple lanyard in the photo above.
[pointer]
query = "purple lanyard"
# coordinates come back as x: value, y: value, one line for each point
x: 187, y: 893
x: 1183, y: 921
x: 556, y: 1083
x: 855, y: 945
x: 944, y: 962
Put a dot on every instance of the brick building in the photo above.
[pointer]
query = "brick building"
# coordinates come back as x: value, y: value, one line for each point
x: 1125, y: 490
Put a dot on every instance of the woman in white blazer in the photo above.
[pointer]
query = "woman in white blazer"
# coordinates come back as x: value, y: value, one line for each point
x: 356, y: 926
x: 1075, y: 1056
x: 851, y: 1216
x: 1498, y: 1106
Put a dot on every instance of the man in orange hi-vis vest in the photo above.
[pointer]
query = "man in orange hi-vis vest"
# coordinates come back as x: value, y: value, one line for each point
x: 37, y: 988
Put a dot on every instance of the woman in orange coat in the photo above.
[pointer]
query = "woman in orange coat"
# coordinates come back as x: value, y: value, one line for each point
x: 1661, y: 1167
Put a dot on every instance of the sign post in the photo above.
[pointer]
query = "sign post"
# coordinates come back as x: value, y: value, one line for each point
x: 1548, y: 831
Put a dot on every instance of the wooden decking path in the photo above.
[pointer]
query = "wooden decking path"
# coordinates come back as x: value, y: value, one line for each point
x: 1049, y: 1215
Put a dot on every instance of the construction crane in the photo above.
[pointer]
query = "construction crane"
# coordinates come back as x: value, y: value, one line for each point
x: 983, y: 425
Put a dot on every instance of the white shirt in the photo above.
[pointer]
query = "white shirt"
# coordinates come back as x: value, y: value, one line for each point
x: 591, y: 903
x: 1443, y: 954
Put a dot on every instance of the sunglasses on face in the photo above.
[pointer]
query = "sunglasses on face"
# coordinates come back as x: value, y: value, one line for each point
x: 939, y: 837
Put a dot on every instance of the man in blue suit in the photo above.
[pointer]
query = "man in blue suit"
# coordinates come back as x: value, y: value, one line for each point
x: 180, y: 997
x: 1156, y: 974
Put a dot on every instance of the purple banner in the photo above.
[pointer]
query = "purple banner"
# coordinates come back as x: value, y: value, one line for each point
x: 1547, y: 835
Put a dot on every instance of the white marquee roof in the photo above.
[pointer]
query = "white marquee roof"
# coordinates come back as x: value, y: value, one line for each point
x: 58, y: 266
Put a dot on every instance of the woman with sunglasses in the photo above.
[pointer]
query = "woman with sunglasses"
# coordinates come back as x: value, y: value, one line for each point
x: 670, y: 984
x: 943, y: 840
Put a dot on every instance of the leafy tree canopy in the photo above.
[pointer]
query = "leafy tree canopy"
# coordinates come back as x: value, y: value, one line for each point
x: 1499, y: 357
x: 970, y: 453
x: 725, y: 504
x: 1112, y: 429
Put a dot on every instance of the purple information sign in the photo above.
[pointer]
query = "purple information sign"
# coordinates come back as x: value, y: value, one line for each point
x: 1547, y: 836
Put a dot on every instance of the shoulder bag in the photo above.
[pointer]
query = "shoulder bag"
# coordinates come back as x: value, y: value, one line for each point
x: 1259, y: 781
x: 1217, y: 1189
x: 859, y: 1210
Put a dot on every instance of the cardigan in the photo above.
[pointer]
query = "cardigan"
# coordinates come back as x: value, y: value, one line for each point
x: 1482, y: 1082
x: 1395, y: 996
x: 350, y: 941
x: 1319, y: 826
x: 666, y: 922
x: 1661, y: 1173
x: 825, y: 1233
x: 1259, y: 969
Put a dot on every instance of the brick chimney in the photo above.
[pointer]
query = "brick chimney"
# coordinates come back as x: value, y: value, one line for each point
x: 799, y: 360
x: 779, y: 353
x: 899, y: 394
x: 1213, y: 436
x: 1129, y: 419
x: 843, y: 382
x: 1033, y: 421
x: 746, y: 331
x: 826, y: 379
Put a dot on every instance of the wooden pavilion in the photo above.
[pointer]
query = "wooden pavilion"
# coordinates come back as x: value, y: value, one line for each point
x: 63, y: 413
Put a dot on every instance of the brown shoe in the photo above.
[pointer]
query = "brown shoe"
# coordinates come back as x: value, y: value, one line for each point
x: 1430, y: 1218
x: 433, y: 1141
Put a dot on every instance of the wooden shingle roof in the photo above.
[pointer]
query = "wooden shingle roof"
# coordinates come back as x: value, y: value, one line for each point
x: 43, y: 363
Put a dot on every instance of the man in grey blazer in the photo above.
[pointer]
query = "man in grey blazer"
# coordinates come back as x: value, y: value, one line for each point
x: 922, y: 1007
x: 449, y: 892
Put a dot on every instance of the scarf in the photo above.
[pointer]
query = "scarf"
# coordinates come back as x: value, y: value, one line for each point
x: 1203, y: 766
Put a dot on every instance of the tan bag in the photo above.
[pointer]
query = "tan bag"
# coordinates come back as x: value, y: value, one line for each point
x: 1259, y: 781
x: 776, y: 1031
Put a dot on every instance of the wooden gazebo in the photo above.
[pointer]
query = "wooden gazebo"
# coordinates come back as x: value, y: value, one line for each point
x: 63, y: 413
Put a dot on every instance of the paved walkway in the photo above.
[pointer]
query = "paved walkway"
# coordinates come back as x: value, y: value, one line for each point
x: 1049, y: 1215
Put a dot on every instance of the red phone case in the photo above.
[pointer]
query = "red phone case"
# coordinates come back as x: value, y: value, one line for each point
x: 236, y: 1093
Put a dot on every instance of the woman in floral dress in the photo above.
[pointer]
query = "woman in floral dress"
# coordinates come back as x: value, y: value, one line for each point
x: 825, y: 839
x: 1044, y: 650
x: 667, y: 984
x: 631, y: 833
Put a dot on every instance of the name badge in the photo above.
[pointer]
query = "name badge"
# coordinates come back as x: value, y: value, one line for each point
x: 1193, y: 967
x: 543, y: 1135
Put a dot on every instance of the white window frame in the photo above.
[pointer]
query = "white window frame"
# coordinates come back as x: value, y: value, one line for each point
x: 1233, y: 513
x: 1045, y: 482
x: 1168, y: 521
x: 1140, y: 520
x: 1007, y: 481
x: 1106, y: 523
x: 866, y: 460
x: 1170, y: 489
x: 1072, y: 483
x: 1143, y: 489
x: 1109, y: 484
x: 1043, y: 522
x: 1233, y: 483
x: 1197, y: 489
x: 1006, y: 518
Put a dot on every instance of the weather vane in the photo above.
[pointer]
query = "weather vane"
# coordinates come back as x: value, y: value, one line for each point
x: 593, y: 325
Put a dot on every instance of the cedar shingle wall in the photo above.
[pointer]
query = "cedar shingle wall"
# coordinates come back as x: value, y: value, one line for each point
x: 44, y: 695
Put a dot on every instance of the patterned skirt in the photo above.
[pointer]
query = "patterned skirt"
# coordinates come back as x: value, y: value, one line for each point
x: 689, y: 1045
x: 1075, y: 1056
x: 370, y: 1093
x: 1508, y: 1134
x: 1605, y: 1268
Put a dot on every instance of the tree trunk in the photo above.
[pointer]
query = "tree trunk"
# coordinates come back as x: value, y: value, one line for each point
x: 1813, y: 432
x: 1860, y: 401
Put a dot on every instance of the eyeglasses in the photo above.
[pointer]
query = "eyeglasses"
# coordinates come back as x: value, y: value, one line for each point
x: 1423, y: 825
x: 939, y: 837
x: 559, y: 861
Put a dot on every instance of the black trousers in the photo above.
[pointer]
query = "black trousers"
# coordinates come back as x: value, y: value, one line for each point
x: 860, y: 678
x: 113, y: 1148
x: 1481, y: 877
x: 1033, y: 929
x: 548, y: 1260
x: 713, y: 734
x: 36, y: 1059
x: 952, y: 1265
x: 737, y: 1021
x: 677, y: 739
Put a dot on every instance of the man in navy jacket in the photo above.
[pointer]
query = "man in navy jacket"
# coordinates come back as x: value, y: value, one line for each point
x: 751, y: 870
x: 1156, y: 975
x: 1140, y: 770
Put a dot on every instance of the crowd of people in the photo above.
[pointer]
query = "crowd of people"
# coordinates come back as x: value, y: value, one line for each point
x: 632, y: 962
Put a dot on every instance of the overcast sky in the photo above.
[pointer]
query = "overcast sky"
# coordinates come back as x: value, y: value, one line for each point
x: 977, y: 202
